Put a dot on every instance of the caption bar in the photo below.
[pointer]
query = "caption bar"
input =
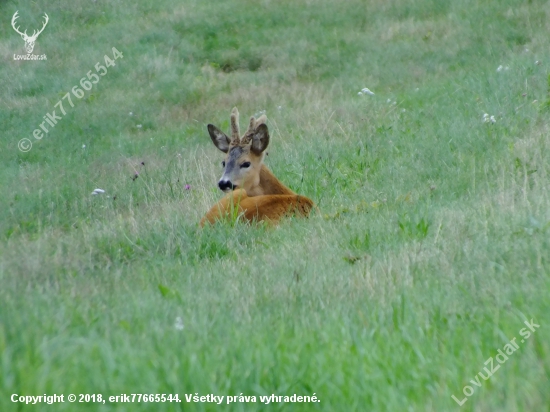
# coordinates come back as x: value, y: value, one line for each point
x: 146, y: 398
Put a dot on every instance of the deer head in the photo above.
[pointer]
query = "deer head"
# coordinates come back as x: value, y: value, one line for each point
x: 244, y: 155
x: 29, y: 40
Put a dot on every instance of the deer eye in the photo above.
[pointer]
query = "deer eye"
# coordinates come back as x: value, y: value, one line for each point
x: 245, y: 165
x: 223, y: 163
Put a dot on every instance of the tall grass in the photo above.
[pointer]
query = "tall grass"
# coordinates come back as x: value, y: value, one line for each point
x: 429, y: 252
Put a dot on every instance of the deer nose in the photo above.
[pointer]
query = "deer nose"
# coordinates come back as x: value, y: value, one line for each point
x: 225, y: 185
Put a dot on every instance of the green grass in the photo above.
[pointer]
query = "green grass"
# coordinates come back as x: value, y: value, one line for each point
x: 429, y: 252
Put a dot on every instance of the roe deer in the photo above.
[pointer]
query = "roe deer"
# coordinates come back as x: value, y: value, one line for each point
x: 252, y: 190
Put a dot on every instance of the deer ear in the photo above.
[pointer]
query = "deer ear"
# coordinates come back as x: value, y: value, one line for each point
x: 260, y: 140
x: 219, y: 138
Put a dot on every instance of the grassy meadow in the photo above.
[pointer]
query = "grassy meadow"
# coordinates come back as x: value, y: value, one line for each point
x: 429, y: 251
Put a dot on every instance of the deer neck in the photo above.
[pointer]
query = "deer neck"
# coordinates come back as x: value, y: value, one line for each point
x: 268, y: 185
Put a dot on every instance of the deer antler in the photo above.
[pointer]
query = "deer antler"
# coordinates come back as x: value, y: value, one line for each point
x: 252, y: 126
x: 235, y: 126
x: 247, y: 137
x: 24, y: 34
x: 34, y: 35
x: 15, y: 17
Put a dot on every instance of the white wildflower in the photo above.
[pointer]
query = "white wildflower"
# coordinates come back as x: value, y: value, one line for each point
x: 367, y: 91
x: 179, y: 324
x: 388, y: 101
x: 360, y: 94
x: 489, y: 119
x: 139, y: 126
x: 131, y: 113
x: 84, y: 146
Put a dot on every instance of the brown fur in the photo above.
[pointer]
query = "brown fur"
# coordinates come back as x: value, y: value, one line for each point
x: 267, y: 208
x: 260, y: 196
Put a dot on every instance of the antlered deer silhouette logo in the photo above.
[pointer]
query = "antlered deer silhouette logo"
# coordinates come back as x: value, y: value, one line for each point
x: 29, y: 40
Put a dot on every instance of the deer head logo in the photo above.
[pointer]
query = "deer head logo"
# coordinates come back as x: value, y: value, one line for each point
x: 29, y: 40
